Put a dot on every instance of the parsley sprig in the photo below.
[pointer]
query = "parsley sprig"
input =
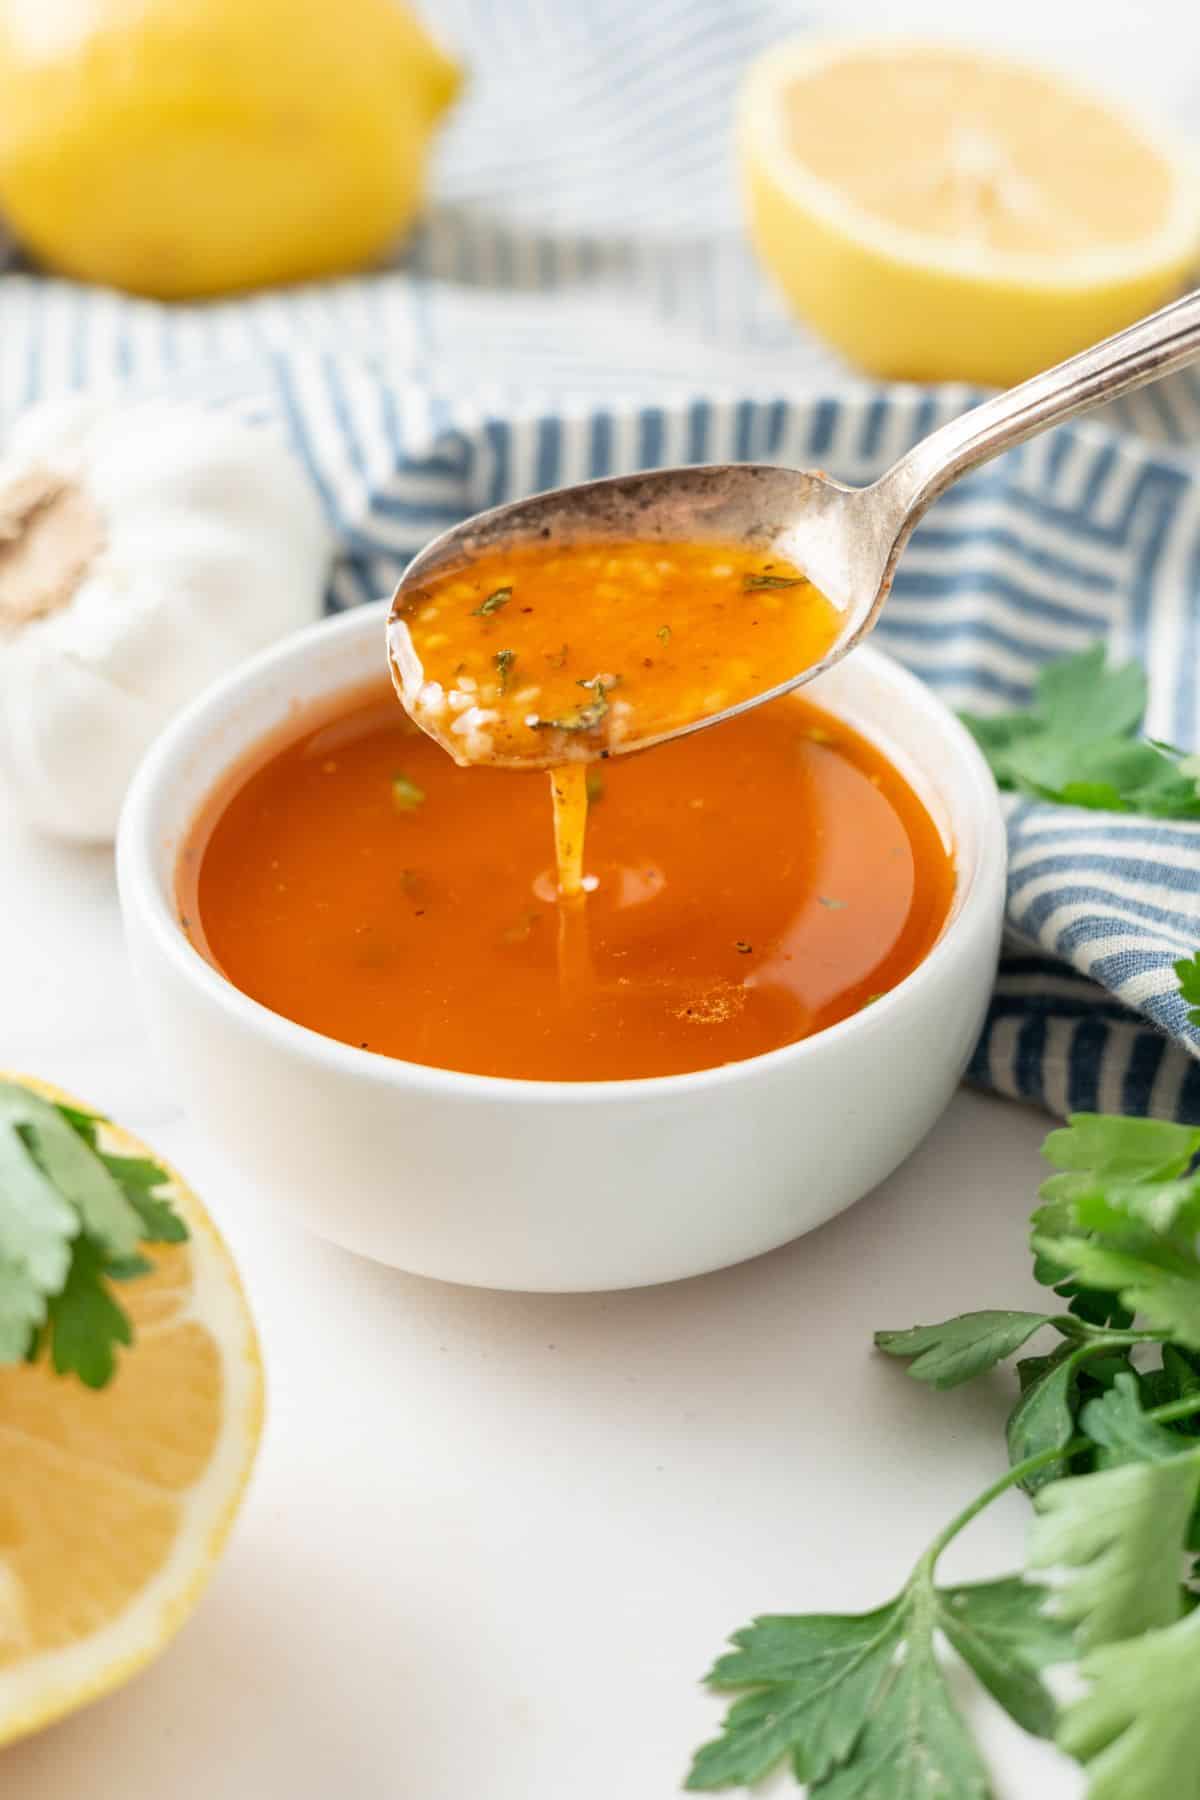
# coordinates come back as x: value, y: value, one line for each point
x: 73, y: 1220
x: 1078, y: 743
x: 1105, y: 1436
x: 1188, y: 971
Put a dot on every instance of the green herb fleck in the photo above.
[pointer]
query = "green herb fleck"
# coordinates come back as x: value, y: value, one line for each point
x: 584, y: 718
x: 772, y: 581
x: 663, y: 634
x: 504, y: 660
x: 827, y: 900
x: 496, y: 599
x: 406, y: 795
x: 594, y: 783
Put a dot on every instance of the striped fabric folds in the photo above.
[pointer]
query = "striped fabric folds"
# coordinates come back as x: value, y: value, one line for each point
x: 579, y: 304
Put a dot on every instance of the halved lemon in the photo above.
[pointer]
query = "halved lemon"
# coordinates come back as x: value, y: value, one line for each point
x: 114, y: 1505
x: 940, y: 214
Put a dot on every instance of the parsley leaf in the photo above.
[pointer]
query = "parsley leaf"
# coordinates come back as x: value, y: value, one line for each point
x: 960, y: 1349
x: 87, y: 1125
x: 1125, y: 1210
x: 139, y: 1180
x: 1116, y: 1539
x: 1158, y: 1281
x: 996, y: 734
x: 36, y: 1230
x: 1177, y: 1379
x: 1105, y: 775
x: 1115, y: 1149
x: 1188, y: 971
x: 1137, y: 1729
x: 914, y: 1741
x: 816, y: 1680
x: 1082, y: 696
x: 1120, y: 1429
x: 22, y: 1310
x: 859, y: 1702
x: 85, y: 1322
x: 71, y: 1219
x: 1001, y: 1630
x: 1076, y: 743
x: 1044, y: 1417
x: 72, y: 1169
x: 1123, y: 1193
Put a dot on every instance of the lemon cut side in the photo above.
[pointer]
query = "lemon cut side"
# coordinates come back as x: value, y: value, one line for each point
x: 115, y: 1504
x: 937, y: 214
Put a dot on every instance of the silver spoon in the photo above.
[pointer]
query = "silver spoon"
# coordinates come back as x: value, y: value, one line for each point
x: 846, y: 540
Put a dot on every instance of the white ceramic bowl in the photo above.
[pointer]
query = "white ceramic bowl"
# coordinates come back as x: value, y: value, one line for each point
x: 558, y: 1185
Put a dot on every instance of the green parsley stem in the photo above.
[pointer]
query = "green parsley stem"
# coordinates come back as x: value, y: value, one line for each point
x: 1175, y: 1409
x: 1104, y: 1337
x: 1019, y: 1472
x: 1032, y: 1465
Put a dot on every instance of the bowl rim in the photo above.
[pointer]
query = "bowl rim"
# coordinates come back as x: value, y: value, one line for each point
x: 143, y: 893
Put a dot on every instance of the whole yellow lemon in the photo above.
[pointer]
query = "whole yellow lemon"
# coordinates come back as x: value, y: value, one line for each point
x: 191, y: 147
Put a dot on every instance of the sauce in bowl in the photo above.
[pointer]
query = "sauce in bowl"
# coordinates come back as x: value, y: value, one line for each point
x: 751, y: 884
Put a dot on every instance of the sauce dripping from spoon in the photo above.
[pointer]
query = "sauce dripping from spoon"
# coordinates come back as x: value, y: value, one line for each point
x: 550, y: 655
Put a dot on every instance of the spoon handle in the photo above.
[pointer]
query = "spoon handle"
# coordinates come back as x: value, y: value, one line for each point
x: 1154, y: 346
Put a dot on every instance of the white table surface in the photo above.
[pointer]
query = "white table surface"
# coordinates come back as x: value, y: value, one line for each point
x: 494, y: 1539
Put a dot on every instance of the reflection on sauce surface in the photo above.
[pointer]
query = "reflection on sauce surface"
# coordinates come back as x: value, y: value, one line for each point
x: 750, y: 885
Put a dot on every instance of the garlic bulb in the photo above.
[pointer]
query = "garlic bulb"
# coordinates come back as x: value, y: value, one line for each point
x: 144, y: 549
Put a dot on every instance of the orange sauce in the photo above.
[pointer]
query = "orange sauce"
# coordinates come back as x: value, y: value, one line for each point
x: 569, y: 799
x: 536, y: 654
x: 547, y: 656
x: 749, y: 885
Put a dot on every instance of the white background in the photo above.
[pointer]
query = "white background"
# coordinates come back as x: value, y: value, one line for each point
x: 493, y: 1540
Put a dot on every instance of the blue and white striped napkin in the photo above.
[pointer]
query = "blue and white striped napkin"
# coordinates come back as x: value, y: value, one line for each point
x: 581, y: 303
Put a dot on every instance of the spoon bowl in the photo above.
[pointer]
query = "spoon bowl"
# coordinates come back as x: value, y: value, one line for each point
x: 847, y: 541
x: 797, y: 514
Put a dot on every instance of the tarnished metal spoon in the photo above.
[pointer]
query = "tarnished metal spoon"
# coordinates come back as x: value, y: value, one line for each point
x: 846, y: 540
